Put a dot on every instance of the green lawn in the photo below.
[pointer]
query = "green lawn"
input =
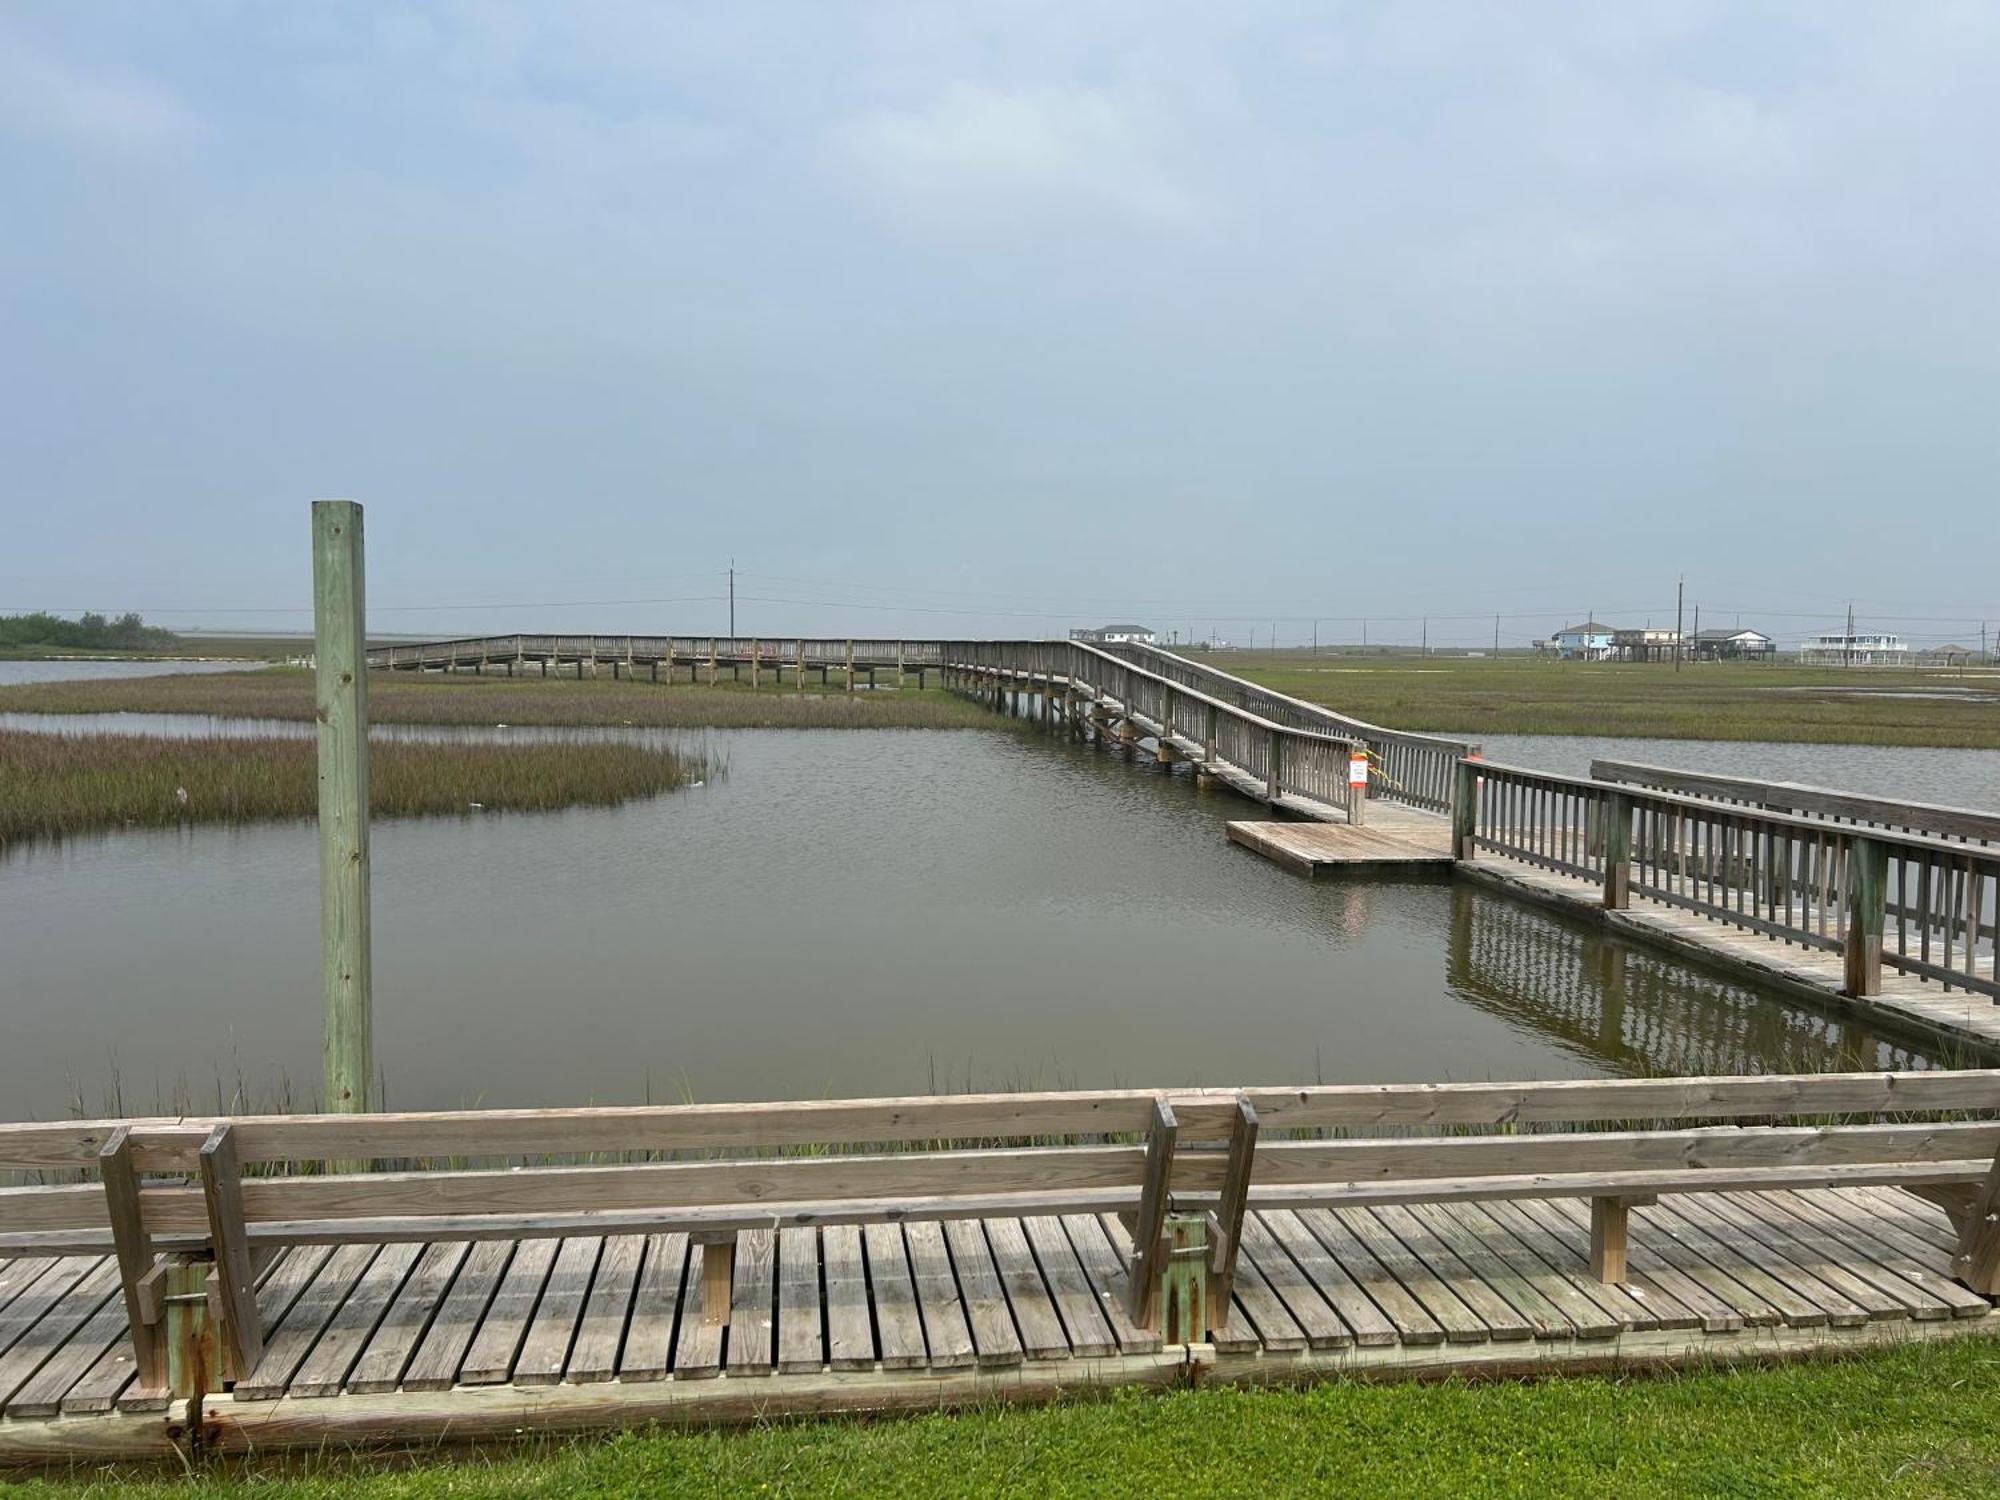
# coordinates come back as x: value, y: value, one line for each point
x: 1708, y: 700
x: 1917, y: 1420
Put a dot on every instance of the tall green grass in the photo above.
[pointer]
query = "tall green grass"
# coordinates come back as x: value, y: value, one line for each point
x: 409, y: 698
x: 54, y: 786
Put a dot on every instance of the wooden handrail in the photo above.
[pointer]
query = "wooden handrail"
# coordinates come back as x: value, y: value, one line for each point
x: 1799, y: 798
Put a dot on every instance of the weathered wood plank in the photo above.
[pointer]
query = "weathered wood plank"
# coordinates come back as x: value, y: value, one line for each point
x: 1376, y: 1281
x: 58, y: 1325
x: 449, y: 1339
x: 1364, y: 1322
x: 946, y: 1332
x: 395, y: 1341
x: 600, y: 1336
x: 656, y: 1305
x: 698, y: 1349
x: 1314, y: 1316
x: 801, y: 1347
x: 325, y: 1370
x: 490, y: 1359
x: 1083, y: 1321
x: 1461, y: 1324
x: 1553, y: 1308
x: 899, y: 1329
x: 1502, y: 1320
x: 1041, y: 1330
x: 994, y: 1338
x: 1108, y: 1271
x: 752, y: 1306
x: 287, y: 1345
x: 850, y: 1331
x: 1627, y: 1309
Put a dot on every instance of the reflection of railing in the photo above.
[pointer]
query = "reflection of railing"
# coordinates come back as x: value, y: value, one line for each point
x: 1639, y: 1011
x: 1265, y: 758
x: 1919, y: 905
x: 1410, y: 768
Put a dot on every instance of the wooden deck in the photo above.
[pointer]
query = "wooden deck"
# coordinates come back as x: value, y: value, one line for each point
x: 412, y: 1342
x: 1394, y: 838
x: 1907, y: 1003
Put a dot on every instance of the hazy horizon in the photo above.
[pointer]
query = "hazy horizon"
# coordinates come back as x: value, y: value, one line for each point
x: 1003, y: 319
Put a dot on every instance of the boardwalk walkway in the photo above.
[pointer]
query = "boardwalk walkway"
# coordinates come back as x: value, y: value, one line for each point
x: 449, y: 1339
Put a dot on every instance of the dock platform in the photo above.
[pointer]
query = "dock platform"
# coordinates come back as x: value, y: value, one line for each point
x: 1394, y: 838
x: 420, y: 1343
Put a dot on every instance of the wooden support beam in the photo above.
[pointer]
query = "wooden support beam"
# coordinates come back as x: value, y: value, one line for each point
x: 193, y: 1362
x: 718, y: 1275
x: 1357, y: 784
x: 1609, y: 1218
x: 1867, y: 899
x: 222, y: 1190
x: 1464, y: 808
x: 1226, y: 1229
x: 1149, y: 1229
x: 136, y: 1261
x: 341, y: 686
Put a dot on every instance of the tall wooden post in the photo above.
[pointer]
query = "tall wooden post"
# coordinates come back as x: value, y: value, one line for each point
x: 341, y: 646
x: 1617, y: 852
x: 1867, y: 896
x: 1464, y: 809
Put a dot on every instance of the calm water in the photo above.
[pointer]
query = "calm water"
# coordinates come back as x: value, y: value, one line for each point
x: 846, y: 912
x: 82, y: 670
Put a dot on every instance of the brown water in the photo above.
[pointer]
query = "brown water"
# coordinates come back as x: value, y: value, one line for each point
x: 845, y: 912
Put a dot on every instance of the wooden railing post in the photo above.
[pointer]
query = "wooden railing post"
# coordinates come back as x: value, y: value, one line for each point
x: 1617, y: 851
x: 1275, y: 775
x: 1867, y: 897
x: 1225, y: 1227
x: 1357, y: 784
x: 136, y: 1260
x: 340, y: 647
x: 1464, y: 809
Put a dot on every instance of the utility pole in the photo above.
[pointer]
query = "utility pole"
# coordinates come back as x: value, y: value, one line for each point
x: 1315, y: 638
x: 340, y: 664
x: 1680, y: 591
x: 732, y: 598
x: 1496, y: 634
x: 1426, y: 649
x: 1847, y: 646
x: 1697, y: 630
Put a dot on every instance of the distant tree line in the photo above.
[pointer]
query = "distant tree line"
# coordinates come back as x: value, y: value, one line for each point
x: 92, y: 632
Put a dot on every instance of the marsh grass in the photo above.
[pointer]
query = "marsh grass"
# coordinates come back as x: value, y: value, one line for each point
x: 1706, y: 701
x: 55, y: 786
x: 409, y: 698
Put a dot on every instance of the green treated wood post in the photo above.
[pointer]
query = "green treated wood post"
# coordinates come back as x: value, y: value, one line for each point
x: 1183, y: 1281
x: 1867, y: 892
x: 340, y: 645
x: 1464, y: 808
x: 1617, y: 851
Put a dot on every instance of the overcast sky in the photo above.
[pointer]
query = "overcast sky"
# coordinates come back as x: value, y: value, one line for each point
x: 957, y: 318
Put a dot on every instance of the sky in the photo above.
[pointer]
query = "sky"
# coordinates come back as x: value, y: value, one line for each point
x: 996, y: 319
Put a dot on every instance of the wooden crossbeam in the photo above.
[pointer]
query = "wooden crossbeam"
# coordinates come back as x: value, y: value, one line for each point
x: 222, y: 1190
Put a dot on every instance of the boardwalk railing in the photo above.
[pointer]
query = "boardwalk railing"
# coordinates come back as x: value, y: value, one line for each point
x: 1276, y: 762
x: 1964, y: 824
x: 191, y: 1208
x: 776, y: 654
x: 1414, y: 769
x: 1881, y: 898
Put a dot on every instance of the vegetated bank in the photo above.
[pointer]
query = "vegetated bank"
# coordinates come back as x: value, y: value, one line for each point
x: 1914, y: 1420
x: 1702, y: 701
x: 40, y: 634
x: 433, y: 698
x: 57, y: 785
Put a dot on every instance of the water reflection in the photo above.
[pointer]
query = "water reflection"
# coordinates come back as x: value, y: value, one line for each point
x: 1640, y: 1011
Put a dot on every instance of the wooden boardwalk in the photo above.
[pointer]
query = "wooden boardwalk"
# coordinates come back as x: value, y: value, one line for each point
x: 1908, y: 1003
x: 424, y: 1340
x: 1394, y: 838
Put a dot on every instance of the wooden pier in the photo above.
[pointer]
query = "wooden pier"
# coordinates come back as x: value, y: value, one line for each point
x: 416, y: 1343
x: 233, y: 1284
x: 1395, y: 839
